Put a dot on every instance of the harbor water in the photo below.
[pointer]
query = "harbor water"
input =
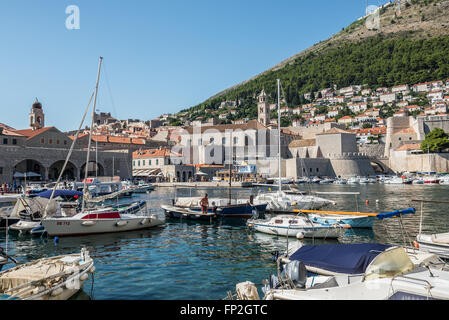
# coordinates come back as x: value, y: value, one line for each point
x: 185, y: 260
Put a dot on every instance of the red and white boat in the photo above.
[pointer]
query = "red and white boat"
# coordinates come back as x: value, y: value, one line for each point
x: 431, y: 180
x: 103, y: 220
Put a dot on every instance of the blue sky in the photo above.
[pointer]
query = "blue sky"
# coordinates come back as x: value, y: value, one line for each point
x: 159, y: 56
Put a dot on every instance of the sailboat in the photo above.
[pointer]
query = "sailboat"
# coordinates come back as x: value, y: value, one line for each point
x: 279, y: 200
x: 118, y: 218
x: 437, y: 243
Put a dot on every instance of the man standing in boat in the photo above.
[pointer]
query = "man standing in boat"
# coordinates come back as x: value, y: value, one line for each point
x: 204, y: 203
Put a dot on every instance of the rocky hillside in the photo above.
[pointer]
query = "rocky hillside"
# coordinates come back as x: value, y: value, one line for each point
x: 405, y: 31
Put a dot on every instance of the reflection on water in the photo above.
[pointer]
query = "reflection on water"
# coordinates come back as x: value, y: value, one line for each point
x: 205, y: 260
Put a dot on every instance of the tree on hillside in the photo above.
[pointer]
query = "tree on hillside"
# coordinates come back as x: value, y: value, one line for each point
x: 435, y: 141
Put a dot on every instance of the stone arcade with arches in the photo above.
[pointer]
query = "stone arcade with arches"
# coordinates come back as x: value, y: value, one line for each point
x: 40, y: 152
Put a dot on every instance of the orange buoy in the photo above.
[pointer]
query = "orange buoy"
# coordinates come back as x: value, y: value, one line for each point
x: 367, y: 202
x: 416, y: 244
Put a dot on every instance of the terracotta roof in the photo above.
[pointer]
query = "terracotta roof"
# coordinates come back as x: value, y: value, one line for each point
x: 408, y: 147
x: 408, y: 130
x: 251, y: 124
x: 302, y: 143
x: 30, y: 133
x: 334, y: 131
x: 150, y: 153
x: 112, y: 139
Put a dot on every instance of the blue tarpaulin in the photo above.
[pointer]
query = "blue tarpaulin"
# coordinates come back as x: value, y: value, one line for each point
x: 339, y: 258
x: 59, y: 193
x: 395, y: 213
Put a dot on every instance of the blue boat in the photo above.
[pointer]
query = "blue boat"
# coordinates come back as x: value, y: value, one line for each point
x: 356, y: 221
x: 221, y: 207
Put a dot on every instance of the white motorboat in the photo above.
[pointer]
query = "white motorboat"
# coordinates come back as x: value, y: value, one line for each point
x: 286, y: 201
x: 431, y: 180
x: 296, y: 226
x: 327, y: 181
x: 387, y: 274
x: 108, y: 219
x: 97, y: 188
x: 141, y: 187
x: 364, y: 180
x: 341, y: 181
x: 444, y: 180
x: 354, y: 180
x: 418, y: 181
x: 54, y: 278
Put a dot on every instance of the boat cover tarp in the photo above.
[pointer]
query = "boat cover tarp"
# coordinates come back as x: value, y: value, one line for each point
x: 339, y: 258
x: 59, y: 193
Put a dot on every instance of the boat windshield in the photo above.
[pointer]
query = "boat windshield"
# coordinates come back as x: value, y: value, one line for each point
x: 388, y: 264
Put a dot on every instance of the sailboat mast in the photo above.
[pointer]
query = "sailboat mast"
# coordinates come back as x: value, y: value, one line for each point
x: 279, y: 135
x: 86, y: 169
x: 230, y: 167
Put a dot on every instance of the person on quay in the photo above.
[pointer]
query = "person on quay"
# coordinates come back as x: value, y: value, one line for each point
x: 204, y: 203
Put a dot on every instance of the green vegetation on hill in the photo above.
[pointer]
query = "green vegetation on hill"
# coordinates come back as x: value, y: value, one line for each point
x: 375, y: 62
x: 435, y: 141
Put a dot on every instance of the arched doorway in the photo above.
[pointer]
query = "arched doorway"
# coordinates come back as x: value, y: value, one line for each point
x: 94, y: 169
x: 55, y: 170
x: 29, y: 170
x: 378, y: 167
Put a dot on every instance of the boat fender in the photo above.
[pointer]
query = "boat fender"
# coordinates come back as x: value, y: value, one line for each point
x: 56, y: 240
x: 57, y: 292
x: 121, y: 223
x: 38, y: 289
x: 367, y: 202
x: 416, y: 244
x: 294, y: 204
x: 92, y: 270
x: 145, y: 221
x: 300, y: 235
x: 84, y: 276
x: 88, y: 223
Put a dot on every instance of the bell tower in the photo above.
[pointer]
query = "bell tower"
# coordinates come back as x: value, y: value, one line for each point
x: 263, y: 109
x: 37, y: 117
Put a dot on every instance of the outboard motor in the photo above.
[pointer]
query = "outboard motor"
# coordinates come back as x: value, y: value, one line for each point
x: 296, y: 272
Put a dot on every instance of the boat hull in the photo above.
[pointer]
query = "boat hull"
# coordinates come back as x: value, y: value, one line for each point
x: 173, y: 212
x: 24, y: 226
x: 241, y: 211
x: 427, y: 244
x: 354, y: 222
x: 7, y: 222
x: 75, y: 227
x: 292, y: 231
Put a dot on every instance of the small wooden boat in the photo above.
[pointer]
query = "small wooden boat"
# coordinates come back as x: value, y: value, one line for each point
x: 223, y: 208
x: 54, y: 278
x: 176, y: 212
